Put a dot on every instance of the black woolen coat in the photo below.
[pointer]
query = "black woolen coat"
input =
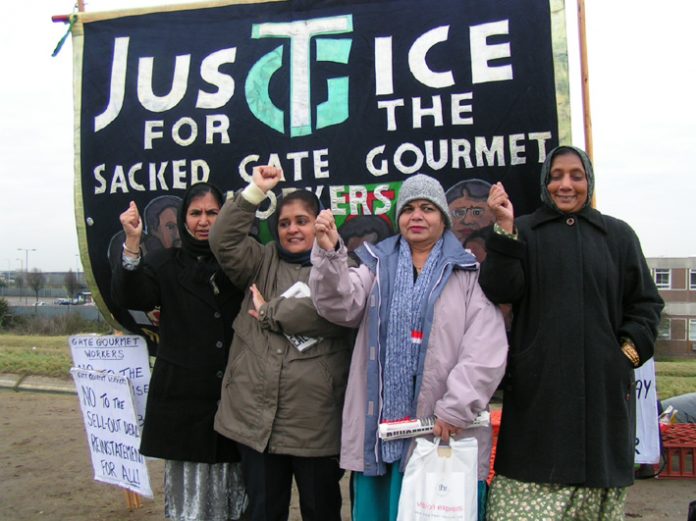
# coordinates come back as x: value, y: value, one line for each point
x: 578, y: 284
x: 195, y: 335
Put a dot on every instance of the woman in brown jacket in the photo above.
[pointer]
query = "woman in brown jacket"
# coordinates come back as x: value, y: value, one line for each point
x: 284, y: 384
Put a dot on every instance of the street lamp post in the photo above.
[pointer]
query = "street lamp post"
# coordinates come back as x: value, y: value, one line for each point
x: 21, y: 269
x: 26, y: 261
x: 26, y: 255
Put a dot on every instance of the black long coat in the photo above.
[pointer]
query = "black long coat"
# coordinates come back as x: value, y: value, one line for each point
x: 578, y: 284
x: 195, y: 335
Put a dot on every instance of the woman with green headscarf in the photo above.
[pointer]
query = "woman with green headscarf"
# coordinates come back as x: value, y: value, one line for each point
x: 585, y: 312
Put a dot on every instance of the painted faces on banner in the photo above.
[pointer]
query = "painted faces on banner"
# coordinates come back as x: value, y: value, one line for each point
x: 345, y: 102
x: 468, y: 207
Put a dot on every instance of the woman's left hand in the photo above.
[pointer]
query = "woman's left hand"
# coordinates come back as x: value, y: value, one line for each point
x: 444, y: 430
x: 325, y: 230
x: 258, y: 300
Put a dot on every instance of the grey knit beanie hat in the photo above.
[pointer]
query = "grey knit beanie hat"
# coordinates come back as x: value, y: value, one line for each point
x: 421, y: 186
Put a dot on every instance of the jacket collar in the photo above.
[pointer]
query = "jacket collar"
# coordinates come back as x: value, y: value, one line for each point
x: 545, y: 214
x: 452, y: 251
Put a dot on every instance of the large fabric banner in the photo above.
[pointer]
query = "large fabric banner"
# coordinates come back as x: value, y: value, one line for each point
x: 348, y: 97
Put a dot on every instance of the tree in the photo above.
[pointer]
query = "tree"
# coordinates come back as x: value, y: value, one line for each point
x: 36, y: 280
x: 4, y: 312
x: 72, y: 285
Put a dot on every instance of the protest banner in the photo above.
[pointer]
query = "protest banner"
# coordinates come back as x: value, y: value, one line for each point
x: 348, y: 97
x: 647, y: 429
x: 124, y: 355
x: 112, y: 430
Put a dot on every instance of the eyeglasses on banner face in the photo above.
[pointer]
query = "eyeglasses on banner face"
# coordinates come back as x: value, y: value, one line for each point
x: 475, y: 211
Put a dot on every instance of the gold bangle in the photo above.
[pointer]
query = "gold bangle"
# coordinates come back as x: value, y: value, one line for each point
x: 628, y: 349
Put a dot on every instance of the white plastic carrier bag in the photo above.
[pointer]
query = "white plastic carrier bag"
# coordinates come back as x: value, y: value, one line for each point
x: 440, y: 483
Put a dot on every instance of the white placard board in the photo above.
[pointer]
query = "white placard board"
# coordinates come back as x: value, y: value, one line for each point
x: 112, y: 431
x: 123, y: 355
x: 647, y: 429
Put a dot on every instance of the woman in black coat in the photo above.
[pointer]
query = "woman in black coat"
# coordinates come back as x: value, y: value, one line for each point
x: 586, y: 313
x: 197, y: 305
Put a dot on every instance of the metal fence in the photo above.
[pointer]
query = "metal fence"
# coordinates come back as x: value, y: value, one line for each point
x: 88, y: 312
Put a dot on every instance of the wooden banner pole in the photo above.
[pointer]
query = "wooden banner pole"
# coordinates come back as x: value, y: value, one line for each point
x: 585, y: 78
x: 133, y: 500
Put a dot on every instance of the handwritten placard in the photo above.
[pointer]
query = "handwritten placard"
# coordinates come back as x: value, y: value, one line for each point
x: 647, y: 435
x: 113, y: 434
x: 122, y: 355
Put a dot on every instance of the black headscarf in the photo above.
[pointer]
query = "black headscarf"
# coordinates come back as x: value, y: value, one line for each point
x: 546, y: 174
x: 207, y: 264
x: 312, y: 204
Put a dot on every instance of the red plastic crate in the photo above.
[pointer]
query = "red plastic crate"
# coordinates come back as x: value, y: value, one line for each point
x: 495, y: 423
x: 679, y: 451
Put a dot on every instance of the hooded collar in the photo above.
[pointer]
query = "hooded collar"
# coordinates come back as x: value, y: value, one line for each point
x: 452, y: 251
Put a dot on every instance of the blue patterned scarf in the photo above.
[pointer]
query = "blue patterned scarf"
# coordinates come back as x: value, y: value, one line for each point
x: 404, y: 337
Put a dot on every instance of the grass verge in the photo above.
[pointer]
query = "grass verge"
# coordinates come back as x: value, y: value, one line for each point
x: 35, y: 355
x: 43, y: 355
x: 675, y: 378
x: 39, y: 345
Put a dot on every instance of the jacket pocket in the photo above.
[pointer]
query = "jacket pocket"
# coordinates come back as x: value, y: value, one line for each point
x: 527, y: 370
x: 249, y: 335
x: 536, y: 344
x: 335, y: 367
x: 238, y: 355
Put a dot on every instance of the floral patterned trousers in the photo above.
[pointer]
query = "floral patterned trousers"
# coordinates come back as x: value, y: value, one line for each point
x: 512, y: 500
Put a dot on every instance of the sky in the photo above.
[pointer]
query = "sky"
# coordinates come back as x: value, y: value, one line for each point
x: 642, y: 73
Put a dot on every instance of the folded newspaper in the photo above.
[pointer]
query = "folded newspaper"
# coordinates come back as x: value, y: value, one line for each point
x: 299, y: 290
x: 409, y: 428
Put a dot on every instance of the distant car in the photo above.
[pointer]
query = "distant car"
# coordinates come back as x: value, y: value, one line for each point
x: 62, y: 301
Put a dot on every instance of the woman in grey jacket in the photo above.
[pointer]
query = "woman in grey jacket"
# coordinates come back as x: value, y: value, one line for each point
x: 285, y: 380
x: 429, y: 342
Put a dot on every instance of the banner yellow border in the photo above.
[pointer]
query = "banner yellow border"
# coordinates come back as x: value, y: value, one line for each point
x: 559, y: 41
x: 86, y: 17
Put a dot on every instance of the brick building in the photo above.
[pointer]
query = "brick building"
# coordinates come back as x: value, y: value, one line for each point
x: 675, y: 278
